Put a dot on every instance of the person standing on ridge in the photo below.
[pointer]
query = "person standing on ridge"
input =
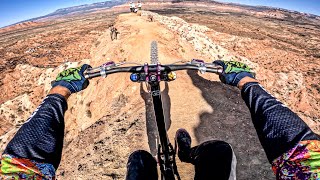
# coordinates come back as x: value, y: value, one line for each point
x: 132, y: 6
x: 139, y: 5
x: 113, y: 33
x: 291, y: 147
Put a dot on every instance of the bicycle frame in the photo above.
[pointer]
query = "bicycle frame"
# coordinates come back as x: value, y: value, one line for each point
x: 166, y: 153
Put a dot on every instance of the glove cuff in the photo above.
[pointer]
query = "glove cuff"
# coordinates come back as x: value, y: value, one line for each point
x: 240, y: 76
x: 65, y: 84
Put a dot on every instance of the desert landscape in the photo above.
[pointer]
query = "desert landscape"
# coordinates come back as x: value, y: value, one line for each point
x: 113, y: 117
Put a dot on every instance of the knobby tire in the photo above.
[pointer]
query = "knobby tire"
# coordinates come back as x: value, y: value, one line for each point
x: 154, y: 52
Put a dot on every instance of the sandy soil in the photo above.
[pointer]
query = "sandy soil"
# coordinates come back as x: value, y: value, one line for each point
x: 28, y: 51
x: 285, y: 44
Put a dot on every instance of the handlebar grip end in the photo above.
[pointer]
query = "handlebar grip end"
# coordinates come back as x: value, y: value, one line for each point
x: 254, y: 74
x: 52, y: 82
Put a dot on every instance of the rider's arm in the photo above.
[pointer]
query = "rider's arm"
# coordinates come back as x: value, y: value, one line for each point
x: 35, y: 150
x: 290, y: 145
x: 60, y: 90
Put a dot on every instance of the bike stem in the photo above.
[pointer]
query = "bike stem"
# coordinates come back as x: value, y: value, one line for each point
x: 168, y: 167
x: 166, y: 154
x: 158, y: 109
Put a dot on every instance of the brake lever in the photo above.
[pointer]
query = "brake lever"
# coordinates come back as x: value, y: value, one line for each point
x: 203, y: 66
x: 102, y: 69
x: 197, y: 61
x: 215, y: 66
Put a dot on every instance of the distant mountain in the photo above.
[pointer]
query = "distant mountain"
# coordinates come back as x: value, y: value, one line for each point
x: 248, y: 7
x: 80, y: 9
x: 265, y: 8
x: 109, y: 4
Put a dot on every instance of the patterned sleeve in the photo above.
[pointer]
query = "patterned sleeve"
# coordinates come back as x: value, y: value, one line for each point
x: 35, y: 150
x: 22, y: 168
x: 290, y: 145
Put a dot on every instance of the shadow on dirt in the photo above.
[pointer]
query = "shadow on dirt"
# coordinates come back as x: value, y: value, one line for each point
x: 230, y: 121
x: 151, y: 123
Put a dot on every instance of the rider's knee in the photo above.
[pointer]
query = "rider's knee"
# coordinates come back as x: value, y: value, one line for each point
x: 216, y: 146
x: 141, y: 156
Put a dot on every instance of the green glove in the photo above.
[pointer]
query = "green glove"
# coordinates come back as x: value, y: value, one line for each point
x: 233, y: 72
x: 73, y: 79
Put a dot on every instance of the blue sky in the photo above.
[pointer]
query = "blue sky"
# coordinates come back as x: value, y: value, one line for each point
x: 12, y: 11
x: 308, y: 6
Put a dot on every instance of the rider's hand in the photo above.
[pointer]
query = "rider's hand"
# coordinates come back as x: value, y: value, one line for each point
x: 72, y: 79
x: 233, y: 72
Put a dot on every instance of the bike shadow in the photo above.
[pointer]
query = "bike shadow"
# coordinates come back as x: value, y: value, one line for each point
x: 151, y: 124
x: 230, y: 121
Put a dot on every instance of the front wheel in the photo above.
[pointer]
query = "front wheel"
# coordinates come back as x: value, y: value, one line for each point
x: 154, y: 53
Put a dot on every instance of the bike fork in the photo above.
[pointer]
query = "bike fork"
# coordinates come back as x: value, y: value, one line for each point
x: 166, y: 153
x: 168, y: 167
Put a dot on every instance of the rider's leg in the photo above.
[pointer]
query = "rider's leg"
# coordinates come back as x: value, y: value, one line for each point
x: 212, y: 159
x: 141, y: 166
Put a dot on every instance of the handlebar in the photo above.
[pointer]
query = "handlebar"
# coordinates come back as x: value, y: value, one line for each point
x: 152, y: 72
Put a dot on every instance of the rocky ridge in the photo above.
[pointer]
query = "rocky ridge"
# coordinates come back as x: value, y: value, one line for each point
x: 289, y: 87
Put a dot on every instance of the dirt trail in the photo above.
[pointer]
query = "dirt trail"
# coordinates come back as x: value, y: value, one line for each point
x: 113, y: 117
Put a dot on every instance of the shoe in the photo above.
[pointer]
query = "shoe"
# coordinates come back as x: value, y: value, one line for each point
x: 183, y: 142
